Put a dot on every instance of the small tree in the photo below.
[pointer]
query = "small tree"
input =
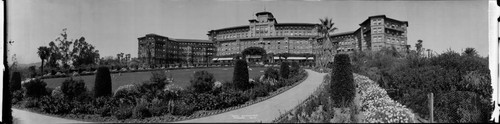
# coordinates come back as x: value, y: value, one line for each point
x: 240, y: 75
x: 202, y: 81
x: 15, y: 81
x: 342, y: 88
x: 284, y: 70
x: 102, y: 86
x: 73, y: 88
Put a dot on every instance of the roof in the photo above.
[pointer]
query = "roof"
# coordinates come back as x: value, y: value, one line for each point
x: 191, y: 40
x: 343, y: 33
x: 376, y: 16
x: 301, y: 24
x: 234, y: 27
x: 263, y: 13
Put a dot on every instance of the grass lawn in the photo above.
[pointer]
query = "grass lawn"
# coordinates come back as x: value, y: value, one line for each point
x: 181, y: 77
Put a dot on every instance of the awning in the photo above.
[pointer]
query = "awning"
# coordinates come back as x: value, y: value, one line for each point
x: 296, y: 58
x: 278, y: 58
x: 225, y: 58
x: 310, y: 58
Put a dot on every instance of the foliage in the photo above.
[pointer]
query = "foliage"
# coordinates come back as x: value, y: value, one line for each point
x: 57, y: 92
x: 102, y: 86
x: 202, y: 81
x: 73, y: 88
x: 342, y: 88
x: 254, y: 51
x: 271, y: 73
x: 43, y: 53
x: 240, y: 75
x: 123, y: 112
x: 83, y: 53
x: 284, y: 70
x: 105, y: 106
x: 158, y: 76
x: 35, y: 88
x: 15, y: 81
x: 294, y: 68
x: 141, y: 111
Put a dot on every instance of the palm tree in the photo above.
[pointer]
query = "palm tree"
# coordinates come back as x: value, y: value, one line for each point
x: 44, y: 53
x: 326, y: 52
x: 470, y: 52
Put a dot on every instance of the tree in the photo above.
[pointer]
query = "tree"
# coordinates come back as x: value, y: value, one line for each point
x: 54, y: 55
x: 284, y: 70
x: 32, y: 70
x: 64, y: 49
x: 470, y: 52
x: 15, y: 81
x: 419, y: 46
x: 43, y: 53
x: 325, y: 53
x: 342, y: 87
x: 83, y: 53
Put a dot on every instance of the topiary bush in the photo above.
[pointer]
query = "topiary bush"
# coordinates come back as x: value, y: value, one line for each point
x: 240, y: 75
x: 284, y: 70
x: 35, y: 88
x: 342, y: 88
x: 15, y: 81
x: 102, y: 86
x: 202, y: 81
x: 73, y: 88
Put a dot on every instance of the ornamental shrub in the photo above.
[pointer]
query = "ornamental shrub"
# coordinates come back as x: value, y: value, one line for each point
x: 73, y: 88
x: 271, y: 73
x: 141, y: 111
x: 123, y: 112
x: 15, y: 81
x: 102, y: 86
x: 202, y: 81
x: 295, y: 69
x: 240, y: 75
x: 342, y: 88
x: 35, y: 88
x: 158, y: 77
x: 284, y: 70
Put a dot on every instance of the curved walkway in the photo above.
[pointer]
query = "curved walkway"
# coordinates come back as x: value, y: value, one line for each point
x: 264, y: 111
x: 267, y: 111
x: 26, y: 117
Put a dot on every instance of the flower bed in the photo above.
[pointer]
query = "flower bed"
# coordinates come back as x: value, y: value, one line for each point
x: 378, y: 107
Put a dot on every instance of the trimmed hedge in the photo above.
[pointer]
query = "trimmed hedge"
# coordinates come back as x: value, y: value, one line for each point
x: 284, y: 70
x: 240, y: 75
x: 15, y: 81
x: 102, y: 86
x: 342, y: 88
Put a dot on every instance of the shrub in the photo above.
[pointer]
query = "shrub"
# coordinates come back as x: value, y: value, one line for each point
x: 73, y: 88
x: 55, y: 105
x: 202, y: 81
x: 240, y: 75
x: 260, y: 90
x: 459, y: 107
x: 127, y: 94
x: 141, y: 111
x: 123, y: 112
x: 15, y: 81
x: 284, y: 70
x: 57, y: 93
x: 295, y: 68
x: 183, y: 108
x: 17, y: 96
x: 158, y: 77
x: 102, y: 86
x: 342, y: 88
x: 271, y: 73
x: 35, y: 88
x: 104, y: 106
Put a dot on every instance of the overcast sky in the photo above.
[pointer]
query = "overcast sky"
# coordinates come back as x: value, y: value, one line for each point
x: 113, y: 26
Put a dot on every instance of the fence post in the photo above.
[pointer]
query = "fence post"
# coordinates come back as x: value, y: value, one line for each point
x: 431, y: 107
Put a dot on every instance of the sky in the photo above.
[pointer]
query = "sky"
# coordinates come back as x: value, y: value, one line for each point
x: 113, y: 26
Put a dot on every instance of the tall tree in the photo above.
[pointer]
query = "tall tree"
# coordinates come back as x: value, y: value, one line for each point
x: 83, y: 53
x: 54, y: 55
x: 43, y: 53
x: 326, y: 51
x: 419, y: 46
x: 64, y: 49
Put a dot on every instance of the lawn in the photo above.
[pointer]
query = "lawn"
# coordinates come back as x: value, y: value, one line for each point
x: 181, y: 77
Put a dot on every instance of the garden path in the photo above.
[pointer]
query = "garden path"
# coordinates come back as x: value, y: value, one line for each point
x: 26, y: 117
x: 270, y: 109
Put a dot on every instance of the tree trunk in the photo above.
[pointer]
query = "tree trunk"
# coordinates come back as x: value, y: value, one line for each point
x: 41, y: 68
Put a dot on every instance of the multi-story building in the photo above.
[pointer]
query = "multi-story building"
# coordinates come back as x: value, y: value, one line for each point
x: 160, y: 50
x: 374, y: 33
x: 267, y: 33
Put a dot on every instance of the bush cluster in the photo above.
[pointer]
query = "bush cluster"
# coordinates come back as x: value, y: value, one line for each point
x: 202, y: 81
x: 73, y: 88
x: 35, y: 88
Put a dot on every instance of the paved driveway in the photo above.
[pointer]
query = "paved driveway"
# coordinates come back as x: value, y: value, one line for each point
x: 26, y: 117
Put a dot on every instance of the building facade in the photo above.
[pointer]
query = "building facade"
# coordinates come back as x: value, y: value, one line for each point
x: 265, y: 32
x: 160, y: 50
x: 374, y: 33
